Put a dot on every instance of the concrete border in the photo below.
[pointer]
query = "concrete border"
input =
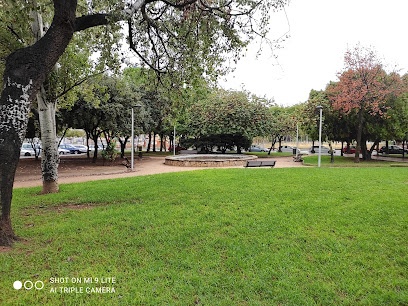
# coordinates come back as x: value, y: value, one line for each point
x: 208, y: 160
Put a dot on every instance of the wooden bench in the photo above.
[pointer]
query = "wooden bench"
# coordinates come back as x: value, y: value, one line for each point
x: 265, y: 163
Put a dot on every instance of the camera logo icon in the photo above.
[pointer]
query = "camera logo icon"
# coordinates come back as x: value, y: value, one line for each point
x: 28, y: 285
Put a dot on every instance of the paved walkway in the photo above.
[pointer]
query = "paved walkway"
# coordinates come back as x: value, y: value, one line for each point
x: 146, y: 166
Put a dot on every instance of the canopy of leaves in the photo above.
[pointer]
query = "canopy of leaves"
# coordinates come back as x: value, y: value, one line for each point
x: 193, y: 38
x: 228, y: 112
x: 364, y: 85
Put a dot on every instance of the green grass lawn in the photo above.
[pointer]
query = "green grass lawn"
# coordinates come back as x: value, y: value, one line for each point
x: 343, y: 161
x: 296, y: 236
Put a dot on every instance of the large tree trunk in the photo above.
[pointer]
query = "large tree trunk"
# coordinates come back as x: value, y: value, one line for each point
x: 49, y: 153
x: 25, y: 71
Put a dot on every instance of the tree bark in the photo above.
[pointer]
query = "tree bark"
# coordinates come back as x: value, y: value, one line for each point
x: 25, y: 71
x: 161, y: 142
x: 149, y: 142
x: 123, y: 146
x: 95, y: 140
x: 359, y: 135
x: 280, y: 144
x: 46, y: 114
x: 49, y: 153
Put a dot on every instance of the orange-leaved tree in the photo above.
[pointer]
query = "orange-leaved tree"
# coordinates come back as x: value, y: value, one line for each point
x: 364, y: 88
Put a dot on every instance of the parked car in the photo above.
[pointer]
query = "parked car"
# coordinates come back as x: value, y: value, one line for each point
x: 255, y: 148
x: 82, y: 148
x: 92, y: 148
x: 27, y: 150
x: 62, y: 151
x: 72, y: 149
x: 324, y: 150
x: 352, y: 150
x: 178, y: 148
x: 289, y: 149
x: 392, y: 150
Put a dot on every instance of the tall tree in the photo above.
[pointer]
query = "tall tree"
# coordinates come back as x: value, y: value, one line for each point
x: 363, y: 87
x: 227, y: 119
x: 165, y: 34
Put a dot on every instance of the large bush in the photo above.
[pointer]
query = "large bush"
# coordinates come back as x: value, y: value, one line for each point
x: 227, y: 119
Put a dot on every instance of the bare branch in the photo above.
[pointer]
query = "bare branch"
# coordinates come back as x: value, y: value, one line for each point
x: 133, y: 47
x: 178, y: 5
x: 15, y: 34
x: 78, y: 83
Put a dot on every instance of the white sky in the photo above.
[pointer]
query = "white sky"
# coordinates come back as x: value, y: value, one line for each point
x: 320, y: 33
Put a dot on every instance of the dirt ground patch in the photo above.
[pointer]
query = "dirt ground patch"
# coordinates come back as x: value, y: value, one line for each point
x: 78, y: 168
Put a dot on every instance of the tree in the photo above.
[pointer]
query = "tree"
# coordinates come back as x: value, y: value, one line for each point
x: 282, y: 124
x: 202, y: 33
x: 227, y: 119
x: 363, y: 88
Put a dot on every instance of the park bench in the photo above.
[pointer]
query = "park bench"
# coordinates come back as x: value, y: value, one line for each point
x: 256, y: 163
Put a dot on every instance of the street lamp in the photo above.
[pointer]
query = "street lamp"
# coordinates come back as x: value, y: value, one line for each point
x: 297, y: 140
x: 132, y: 153
x: 320, y: 108
x: 174, y: 140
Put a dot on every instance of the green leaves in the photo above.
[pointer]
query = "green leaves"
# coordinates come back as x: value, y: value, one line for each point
x: 228, y: 112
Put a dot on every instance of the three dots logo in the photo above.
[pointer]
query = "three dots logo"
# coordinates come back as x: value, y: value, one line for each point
x: 28, y: 285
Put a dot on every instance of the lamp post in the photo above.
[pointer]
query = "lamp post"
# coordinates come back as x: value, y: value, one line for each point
x: 320, y: 108
x: 297, y: 140
x: 174, y: 140
x: 132, y: 153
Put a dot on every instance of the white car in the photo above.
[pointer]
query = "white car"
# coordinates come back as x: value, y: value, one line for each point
x: 27, y: 150
x: 82, y: 148
x: 255, y: 148
x: 325, y: 150
x: 289, y: 149
x: 92, y: 148
x: 62, y: 151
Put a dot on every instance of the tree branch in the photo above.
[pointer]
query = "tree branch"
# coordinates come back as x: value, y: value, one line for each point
x: 78, y: 83
x: 89, y: 21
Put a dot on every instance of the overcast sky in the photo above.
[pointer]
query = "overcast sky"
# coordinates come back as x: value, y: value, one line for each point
x: 320, y: 33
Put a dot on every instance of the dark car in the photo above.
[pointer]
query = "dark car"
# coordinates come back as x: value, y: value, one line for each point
x: 72, y: 149
x: 392, y: 150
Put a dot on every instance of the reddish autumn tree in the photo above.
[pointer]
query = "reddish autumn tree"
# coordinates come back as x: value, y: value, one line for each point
x: 363, y: 88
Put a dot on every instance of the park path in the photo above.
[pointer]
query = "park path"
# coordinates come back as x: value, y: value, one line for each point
x: 145, y: 166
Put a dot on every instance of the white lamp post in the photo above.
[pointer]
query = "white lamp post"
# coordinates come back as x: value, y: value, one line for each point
x: 320, y: 108
x: 174, y: 140
x: 297, y: 140
x: 132, y: 153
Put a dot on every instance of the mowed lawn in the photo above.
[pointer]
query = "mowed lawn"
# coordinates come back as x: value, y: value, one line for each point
x: 297, y: 236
